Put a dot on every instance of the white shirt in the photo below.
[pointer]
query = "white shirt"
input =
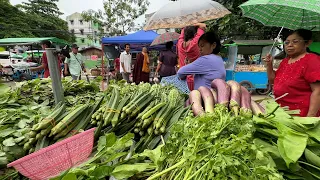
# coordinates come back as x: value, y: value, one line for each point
x: 126, y: 59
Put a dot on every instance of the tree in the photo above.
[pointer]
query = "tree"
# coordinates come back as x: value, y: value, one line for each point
x: 118, y: 16
x: 235, y: 26
x: 94, y: 18
x: 13, y: 22
x: 44, y: 19
x: 42, y: 7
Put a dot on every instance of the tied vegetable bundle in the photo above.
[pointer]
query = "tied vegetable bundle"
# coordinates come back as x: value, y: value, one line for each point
x: 59, y: 125
x: 148, y: 111
x: 293, y: 142
x: 229, y: 94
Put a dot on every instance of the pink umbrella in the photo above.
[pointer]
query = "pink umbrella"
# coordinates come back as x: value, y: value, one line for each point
x: 166, y: 37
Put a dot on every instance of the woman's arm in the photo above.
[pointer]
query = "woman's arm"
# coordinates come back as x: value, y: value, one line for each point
x: 197, y: 67
x: 271, y: 73
x: 314, y: 100
x: 39, y: 68
x: 182, y: 34
x: 158, y: 67
x: 160, y: 60
x: 66, y: 69
x: 200, y: 32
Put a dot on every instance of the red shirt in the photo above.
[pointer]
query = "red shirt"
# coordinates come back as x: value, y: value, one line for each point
x: 46, y: 66
x: 117, y: 64
x: 295, y: 79
x: 190, y: 52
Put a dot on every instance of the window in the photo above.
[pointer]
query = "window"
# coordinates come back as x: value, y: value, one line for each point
x: 81, y: 22
x: 81, y: 31
x: 71, y: 22
x: 82, y: 40
x: 72, y: 31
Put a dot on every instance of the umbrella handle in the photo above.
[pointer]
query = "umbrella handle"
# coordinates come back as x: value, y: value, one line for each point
x: 274, y: 43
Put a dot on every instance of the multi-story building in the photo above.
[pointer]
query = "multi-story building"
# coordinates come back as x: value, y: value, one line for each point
x: 85, y: 32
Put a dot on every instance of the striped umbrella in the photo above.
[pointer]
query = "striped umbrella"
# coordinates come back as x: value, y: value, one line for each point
x: 166, y: 37
x: 182, y: 13
x: 291, y: 14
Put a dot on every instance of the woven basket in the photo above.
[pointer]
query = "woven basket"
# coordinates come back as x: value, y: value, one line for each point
x: 51, y: 161
x: 95, y: 72
x: 175, y: 81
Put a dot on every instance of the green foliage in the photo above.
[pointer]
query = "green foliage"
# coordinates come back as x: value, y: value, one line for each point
x: 235, y: 26
x: 36, y: 18
x: 118, y: 16
x: 214, y: 146
x: 292, y: 142
x: 13, y: 22
x: 42, y: 7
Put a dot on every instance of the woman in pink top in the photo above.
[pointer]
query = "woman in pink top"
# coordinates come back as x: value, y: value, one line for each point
x: 187, y: 47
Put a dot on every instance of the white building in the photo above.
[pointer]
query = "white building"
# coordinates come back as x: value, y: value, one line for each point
x: 82, y: 30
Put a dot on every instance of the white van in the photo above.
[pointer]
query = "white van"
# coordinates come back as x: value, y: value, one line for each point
x: 5, y: 58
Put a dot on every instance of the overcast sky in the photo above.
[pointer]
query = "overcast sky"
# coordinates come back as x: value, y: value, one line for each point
x: 70, y: 6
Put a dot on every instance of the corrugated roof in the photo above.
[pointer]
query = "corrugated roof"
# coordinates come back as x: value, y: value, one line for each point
x: 250, y: 42
x: 26, y: 41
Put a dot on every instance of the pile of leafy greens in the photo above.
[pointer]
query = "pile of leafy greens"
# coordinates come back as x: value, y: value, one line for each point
x: 293, y: 142
x: 28, y: 103
x: 215, y: 146
x: 114, y: 158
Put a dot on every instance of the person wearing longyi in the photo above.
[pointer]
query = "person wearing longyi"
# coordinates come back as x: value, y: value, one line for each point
x: 168, y: 61
x: 298, y: 75
x: 141, y: 67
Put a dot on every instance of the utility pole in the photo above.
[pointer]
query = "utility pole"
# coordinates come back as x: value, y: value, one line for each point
x: 93, y: 34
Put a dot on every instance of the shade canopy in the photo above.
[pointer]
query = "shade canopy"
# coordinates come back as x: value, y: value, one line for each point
x: 28, y: 41
x: 140, y: 37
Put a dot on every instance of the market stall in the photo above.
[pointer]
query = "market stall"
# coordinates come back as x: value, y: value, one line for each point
x: 112, y: 46
x: 244, y: 63
x: 19, y: 70
x: 147, y: 132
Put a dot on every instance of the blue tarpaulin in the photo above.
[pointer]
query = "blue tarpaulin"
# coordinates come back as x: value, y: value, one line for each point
x: 140, y: 37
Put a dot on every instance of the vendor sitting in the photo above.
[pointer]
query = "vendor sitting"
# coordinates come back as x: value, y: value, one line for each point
x: 209, y: 65
x: 44, y: 64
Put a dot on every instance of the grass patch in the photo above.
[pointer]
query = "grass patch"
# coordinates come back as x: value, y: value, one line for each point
x: 91, y: 64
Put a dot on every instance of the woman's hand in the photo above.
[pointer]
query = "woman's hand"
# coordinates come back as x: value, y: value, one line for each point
x: 269, y: 60
x: 201, y: 25
x: 186, y: 61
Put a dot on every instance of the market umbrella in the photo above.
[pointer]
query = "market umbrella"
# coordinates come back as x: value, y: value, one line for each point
x: 291, y: 14
x: 179, y: 14
x: 15, y: 56
x: 166, y: 37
